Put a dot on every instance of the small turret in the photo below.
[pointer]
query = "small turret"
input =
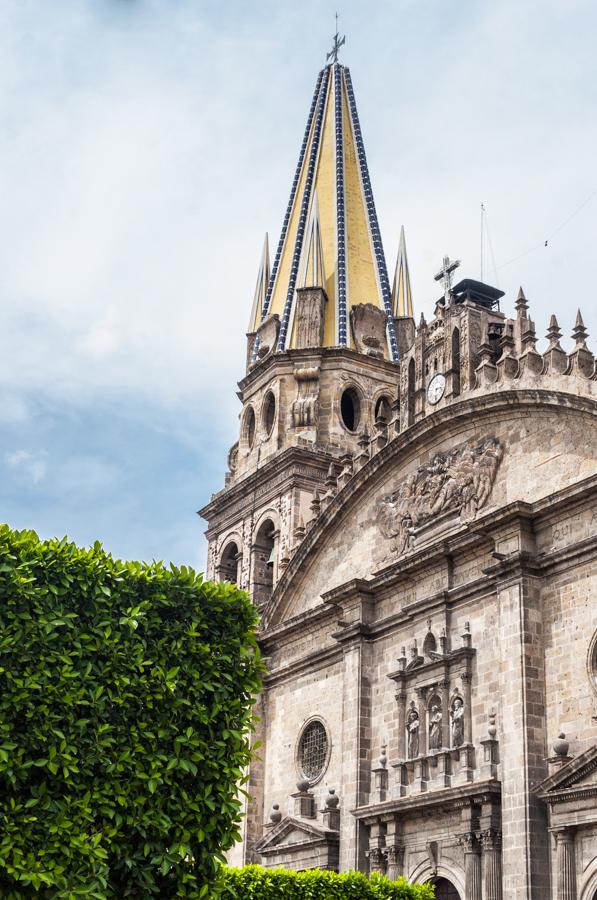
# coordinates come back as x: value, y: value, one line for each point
x: 581, y: 361
x: 555, y: 360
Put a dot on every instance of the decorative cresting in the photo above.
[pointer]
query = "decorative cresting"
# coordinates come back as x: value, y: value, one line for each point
x: 455, y: 482
x: 332, y: 166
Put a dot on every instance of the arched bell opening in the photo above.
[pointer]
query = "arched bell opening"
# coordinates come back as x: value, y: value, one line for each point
x: 228, y: 568
x: 264, y: 563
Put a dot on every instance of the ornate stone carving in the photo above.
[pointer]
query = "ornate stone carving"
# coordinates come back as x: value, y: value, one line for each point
x: 435, y: 725
x: 310, y: 312
x: 460, y: 480
x: 268, y: 333
x: 412, y: 729
x: 457, y: 716
x: 304, y: 408
x: 368, y: 323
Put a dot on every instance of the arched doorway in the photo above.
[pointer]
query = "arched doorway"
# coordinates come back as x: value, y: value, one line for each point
x: 445, y: 890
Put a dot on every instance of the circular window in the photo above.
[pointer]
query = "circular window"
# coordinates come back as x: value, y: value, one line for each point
x: 249, y: 426
x: 269, y: 412
x: 350, y: 409
x: 313, y: 750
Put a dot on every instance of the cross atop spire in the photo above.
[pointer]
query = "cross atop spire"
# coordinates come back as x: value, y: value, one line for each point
x: 338, y: 42
x: 445, y: 275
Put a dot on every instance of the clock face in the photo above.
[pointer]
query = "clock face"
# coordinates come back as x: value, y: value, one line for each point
x: 436, y: 388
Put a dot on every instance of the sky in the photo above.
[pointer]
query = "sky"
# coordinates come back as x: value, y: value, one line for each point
x: 146, y: 146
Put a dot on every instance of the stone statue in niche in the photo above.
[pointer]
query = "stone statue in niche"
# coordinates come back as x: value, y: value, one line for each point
x: 457, y: 716
x: 412, y: 730
x: 435, y: 727
x: 460, y: 480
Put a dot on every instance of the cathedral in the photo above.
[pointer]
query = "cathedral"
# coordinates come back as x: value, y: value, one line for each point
x: 412, y: 507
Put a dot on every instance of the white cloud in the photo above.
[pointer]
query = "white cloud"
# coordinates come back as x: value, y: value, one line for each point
x: 32, y: 465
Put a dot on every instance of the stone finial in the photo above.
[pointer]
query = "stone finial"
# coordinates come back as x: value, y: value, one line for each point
x: 530, y: 361
x: 396, y: 413
x: 402, y: 660
x: 331, y: 487
x: 466, y: 635
x: 330, y: 812
x: 332, y: 800
x: 303, y: 785
x: 521, y: 304
x: 364, y: 443
x: 299, y: 531
x: 346, y: 472
x: 383, y: 758
x: 553, y: 333
x: 381, y: 434
x: 581, y: 360
x: 304, y: 802
x: 555, y: 360
x: 275, y: 815
x: 507, y: 364
x: 561, y: 745
x: 316, y: 504
x: 492, y: 729
x: 579, y: 332
x: 486, y: 371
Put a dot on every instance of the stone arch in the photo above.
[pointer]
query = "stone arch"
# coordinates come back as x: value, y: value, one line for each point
x: 588, y: 889
x: 423, y: 872
x: 264, y: 558
x: 248, y: 427
x: 229, y: 559
x: 491, y: 412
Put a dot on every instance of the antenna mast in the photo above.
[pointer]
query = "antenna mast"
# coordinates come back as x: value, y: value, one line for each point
x: 482, y: 216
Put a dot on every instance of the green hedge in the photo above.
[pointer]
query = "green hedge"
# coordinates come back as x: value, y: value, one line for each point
x: 256, y: 883
x: 125, y: 702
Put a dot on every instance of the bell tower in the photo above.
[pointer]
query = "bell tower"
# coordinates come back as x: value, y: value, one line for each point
x: 325, y: 334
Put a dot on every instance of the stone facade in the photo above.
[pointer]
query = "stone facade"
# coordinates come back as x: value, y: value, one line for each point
x: 424, y: 555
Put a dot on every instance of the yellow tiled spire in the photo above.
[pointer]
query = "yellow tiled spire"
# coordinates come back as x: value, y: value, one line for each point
x: 331, y: 209
x: 402, y: 301
x: 260, y: 288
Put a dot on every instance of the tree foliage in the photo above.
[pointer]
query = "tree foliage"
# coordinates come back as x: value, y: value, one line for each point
x: 125, y: 702
x: 256, y: 883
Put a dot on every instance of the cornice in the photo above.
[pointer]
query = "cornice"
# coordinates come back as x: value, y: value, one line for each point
x: 279, y: 465
x: 453, y: 797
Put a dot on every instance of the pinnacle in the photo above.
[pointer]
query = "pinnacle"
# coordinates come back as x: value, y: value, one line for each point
x: 579, y: 322
x: 553, y: 327
x: 521, y: 303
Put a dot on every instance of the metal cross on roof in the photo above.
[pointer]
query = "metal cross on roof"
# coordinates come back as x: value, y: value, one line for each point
x: 338, y: 42
x: 445, y: 275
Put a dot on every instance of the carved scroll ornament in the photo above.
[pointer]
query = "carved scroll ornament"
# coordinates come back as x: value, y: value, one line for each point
x: 460, y: 480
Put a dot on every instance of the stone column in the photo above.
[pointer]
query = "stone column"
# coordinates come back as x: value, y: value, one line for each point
x: 423, y: 731
x: 472, y: 867
x: 566, y: 864
x: 521, y: 677
x: 394, y: 847
x: 492, y: 865
x: 466, y: 691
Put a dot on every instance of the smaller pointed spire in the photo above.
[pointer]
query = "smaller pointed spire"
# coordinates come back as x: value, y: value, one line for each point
x: 579, y: 332
x: 260, y: 288
x: 553, y: 333
x: 311, y: 267
x: 521, y: 304
x: 402, y: 303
